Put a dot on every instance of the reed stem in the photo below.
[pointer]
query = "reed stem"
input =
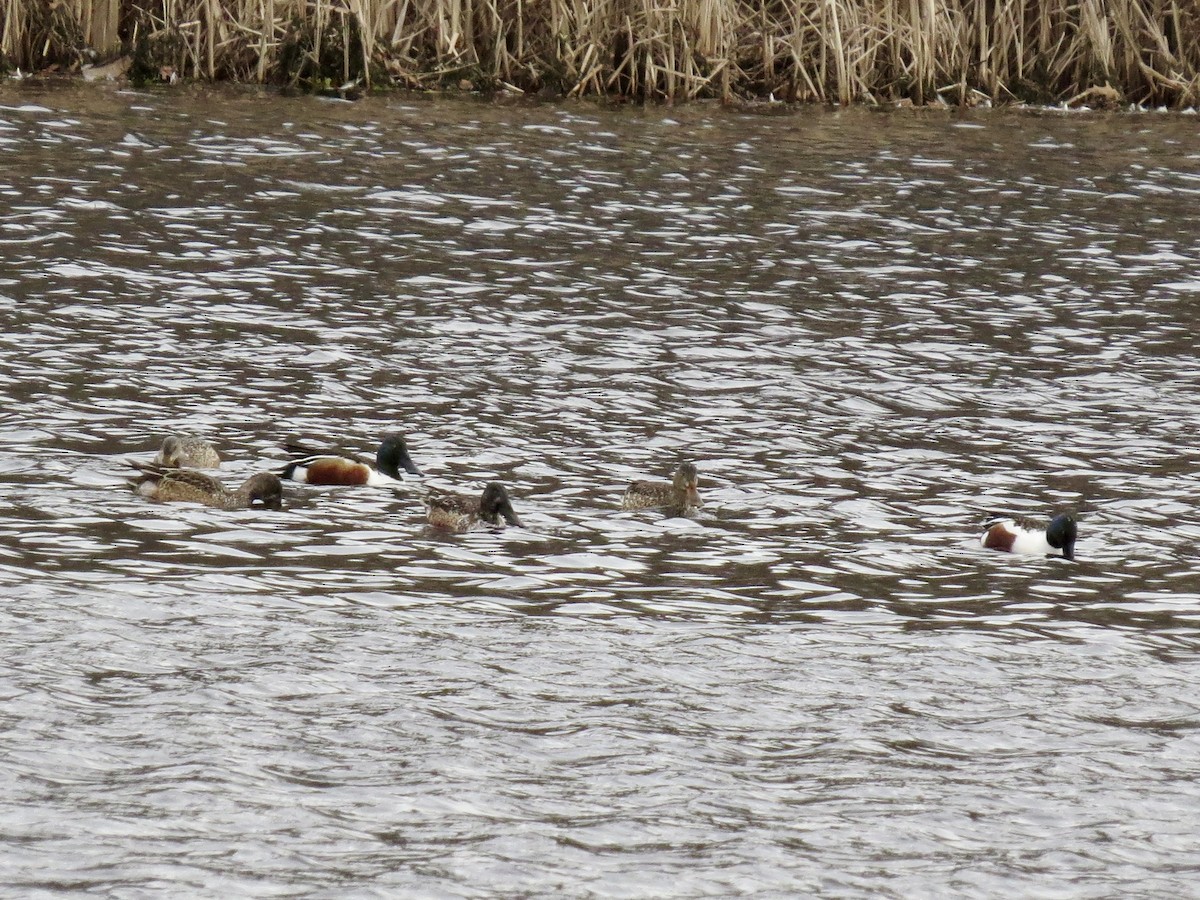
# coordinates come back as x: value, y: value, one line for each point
x: 836, y: 51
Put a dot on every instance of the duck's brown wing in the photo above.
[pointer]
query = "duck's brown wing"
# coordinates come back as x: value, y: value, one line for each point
x: 646, y: 495
x: 195, y: 480
x: 179, y: 485
x: 452, y: 502
x: 300, y: 451
x: 146, y: 472
x: 452, y: 511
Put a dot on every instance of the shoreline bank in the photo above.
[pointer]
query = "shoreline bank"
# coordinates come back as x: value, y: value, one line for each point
x: 102, y: 77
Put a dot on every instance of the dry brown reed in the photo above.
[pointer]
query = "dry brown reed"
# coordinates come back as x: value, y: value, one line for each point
x: 840, y: 51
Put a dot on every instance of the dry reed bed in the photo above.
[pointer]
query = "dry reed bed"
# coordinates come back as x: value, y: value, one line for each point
x: 842, y: 51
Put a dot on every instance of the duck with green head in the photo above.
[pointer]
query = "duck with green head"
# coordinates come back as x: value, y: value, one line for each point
x: 333, y: 467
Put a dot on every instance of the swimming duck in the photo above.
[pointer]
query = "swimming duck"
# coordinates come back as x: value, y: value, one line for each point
x: 311, y: 467
x: 1016, y: 536
x: 261, y: 491
x: 185, y: 450
x: 454, y: 512
x: 678, y: 496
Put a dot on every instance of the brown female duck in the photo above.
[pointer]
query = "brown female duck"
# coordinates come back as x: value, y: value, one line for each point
x: 261, y: 491
x: 678, y: 496
x: 454, y: 512
x: 179, y: 450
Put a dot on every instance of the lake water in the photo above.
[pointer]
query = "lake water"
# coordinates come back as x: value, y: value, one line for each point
x: 870, y: 330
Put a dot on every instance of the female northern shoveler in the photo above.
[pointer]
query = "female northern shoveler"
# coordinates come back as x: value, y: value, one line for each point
x: 678, y: 496
x: 455, y: 512
x: 261, y: 491
x: 185, y: 450
x: 1013, y: 536
x: 334, y: 468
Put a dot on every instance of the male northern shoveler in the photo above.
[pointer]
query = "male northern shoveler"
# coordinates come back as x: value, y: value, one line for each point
x: 1014, y: 536
x: 454, y: 512
x: 261, y: 491
x: 678, y: 496
x: 186, y: 450
x: 313, y: 467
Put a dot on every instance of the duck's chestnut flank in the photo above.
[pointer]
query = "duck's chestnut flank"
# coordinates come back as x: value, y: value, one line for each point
x: 329, y: 470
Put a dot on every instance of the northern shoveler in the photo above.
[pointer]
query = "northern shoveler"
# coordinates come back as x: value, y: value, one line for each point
x: 313, y: 467
x: 185, y: 450
x: 1015, y: 536
x: 261, y: 491
x: 454, y: 512
x: 678, y: 496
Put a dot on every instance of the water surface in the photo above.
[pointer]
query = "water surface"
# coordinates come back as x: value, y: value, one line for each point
x: 869, y: 330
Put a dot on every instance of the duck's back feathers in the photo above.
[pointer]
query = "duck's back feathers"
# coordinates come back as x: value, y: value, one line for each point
x: 167, y: 484
x: 452, y: 512
x: 647, y: 495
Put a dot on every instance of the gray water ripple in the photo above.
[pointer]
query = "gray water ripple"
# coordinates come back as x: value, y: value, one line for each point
x: 869, y: 331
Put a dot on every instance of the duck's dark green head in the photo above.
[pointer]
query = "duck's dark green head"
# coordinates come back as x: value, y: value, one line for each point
x: 495, y: 503
x: 1061, y: 533
x: 393, y: 456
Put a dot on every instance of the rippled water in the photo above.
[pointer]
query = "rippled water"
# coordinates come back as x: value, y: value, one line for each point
x: 870, y: 330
